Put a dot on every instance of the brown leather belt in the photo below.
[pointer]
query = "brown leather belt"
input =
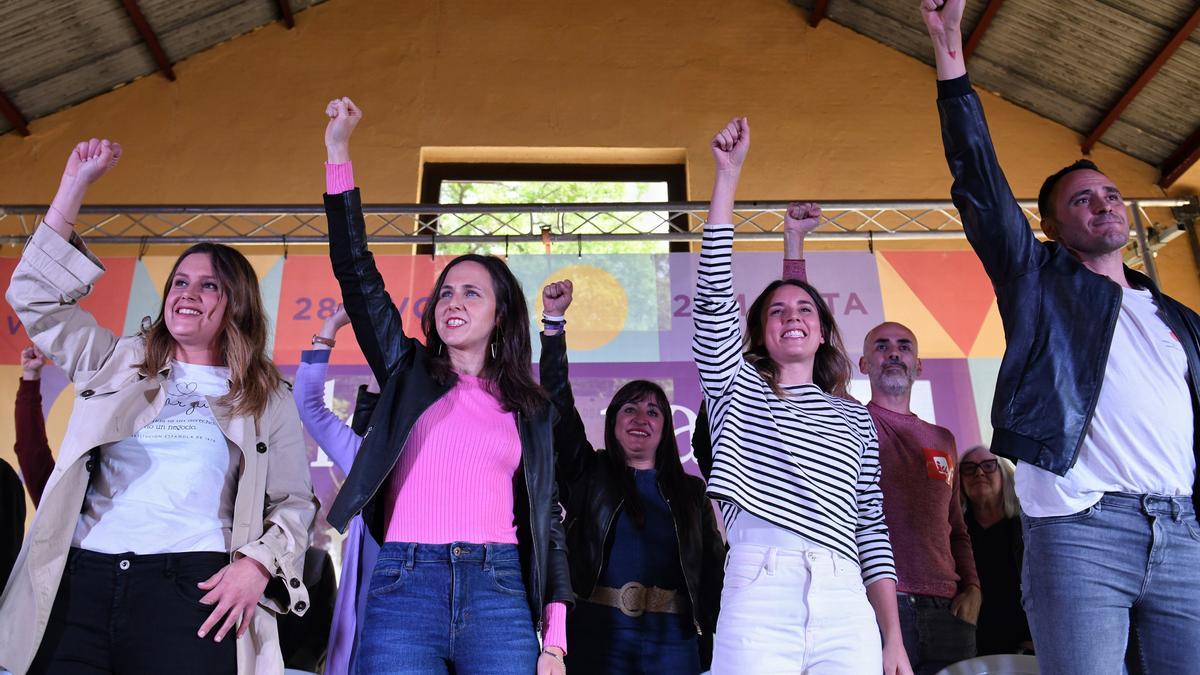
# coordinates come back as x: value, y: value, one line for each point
x: 634, y: 599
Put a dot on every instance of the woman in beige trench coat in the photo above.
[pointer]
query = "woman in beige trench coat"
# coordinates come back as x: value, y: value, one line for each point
x: 142, y: 485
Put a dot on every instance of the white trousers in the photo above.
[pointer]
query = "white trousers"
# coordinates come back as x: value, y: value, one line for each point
x: 794, y: 610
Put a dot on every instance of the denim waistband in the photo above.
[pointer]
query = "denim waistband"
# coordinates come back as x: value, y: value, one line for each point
x: 1151, y: 504
x: 453, y: 553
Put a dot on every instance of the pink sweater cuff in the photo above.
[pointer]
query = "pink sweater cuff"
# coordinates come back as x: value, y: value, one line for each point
x: 339, y: 178
x: 556, y: 626
x: 795, y: 269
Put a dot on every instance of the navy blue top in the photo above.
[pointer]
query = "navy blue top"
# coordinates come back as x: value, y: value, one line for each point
x: 648, y: 555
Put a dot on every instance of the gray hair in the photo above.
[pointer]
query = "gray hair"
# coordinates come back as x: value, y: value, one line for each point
x: 1008, y: 491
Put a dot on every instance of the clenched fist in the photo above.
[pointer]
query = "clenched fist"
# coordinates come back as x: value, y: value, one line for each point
x: 343, y: 117
x: 90, y: 160
x: 802, y: 218
x: 556, y: 297
x: 32, y: 361
x: 730, y: 145
x: 942, y: 16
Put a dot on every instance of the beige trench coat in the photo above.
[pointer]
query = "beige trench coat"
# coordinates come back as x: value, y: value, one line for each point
x: 274, y: 506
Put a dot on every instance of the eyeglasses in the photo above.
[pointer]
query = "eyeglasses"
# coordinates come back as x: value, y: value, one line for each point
x: 972, y: 468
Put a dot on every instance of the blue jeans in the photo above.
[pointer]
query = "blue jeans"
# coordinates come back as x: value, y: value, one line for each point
x: 665, y: 643
x: 933, y: 637
x: 1127, y: 567
x: 439, y: 608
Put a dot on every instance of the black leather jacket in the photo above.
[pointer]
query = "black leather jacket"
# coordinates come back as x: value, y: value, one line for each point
x: 592, y: 497
x: 399, y: 363
x: 1058, y: 316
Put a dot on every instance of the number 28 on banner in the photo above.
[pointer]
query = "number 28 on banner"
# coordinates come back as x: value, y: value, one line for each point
x: 320, y: 309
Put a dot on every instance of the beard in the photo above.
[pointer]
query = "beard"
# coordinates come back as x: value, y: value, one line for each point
x: 895, y: 382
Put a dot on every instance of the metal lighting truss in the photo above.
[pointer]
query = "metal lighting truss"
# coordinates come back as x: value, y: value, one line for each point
x: 1155, y: 222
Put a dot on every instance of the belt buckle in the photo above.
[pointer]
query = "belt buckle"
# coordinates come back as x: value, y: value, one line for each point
x: 631, y: 599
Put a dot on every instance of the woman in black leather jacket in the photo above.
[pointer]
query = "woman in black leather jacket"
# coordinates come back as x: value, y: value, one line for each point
x: 646, y: 555
x: 455, y: 475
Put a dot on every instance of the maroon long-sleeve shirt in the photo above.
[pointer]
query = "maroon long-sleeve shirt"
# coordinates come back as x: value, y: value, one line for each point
x: 33, y: 450
x: 919, y: 477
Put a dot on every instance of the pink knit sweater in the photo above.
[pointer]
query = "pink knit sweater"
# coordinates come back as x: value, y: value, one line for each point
x: 468, y: 441
x: 453, y: 481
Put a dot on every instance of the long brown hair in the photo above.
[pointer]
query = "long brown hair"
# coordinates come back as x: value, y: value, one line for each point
x: 831, y: 366
x: 242, y: 339
x: 509, y: 372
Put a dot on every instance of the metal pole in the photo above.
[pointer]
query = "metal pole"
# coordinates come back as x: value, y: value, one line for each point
x: 276, y: 240
x: 611, y: 207
x: 1144, y: 244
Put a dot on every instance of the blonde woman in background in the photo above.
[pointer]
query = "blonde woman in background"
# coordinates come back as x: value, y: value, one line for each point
x: 993, y: 516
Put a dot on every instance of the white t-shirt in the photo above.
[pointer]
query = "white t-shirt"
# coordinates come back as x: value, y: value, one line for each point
x: 1140, y: 438
x: 169, y: 488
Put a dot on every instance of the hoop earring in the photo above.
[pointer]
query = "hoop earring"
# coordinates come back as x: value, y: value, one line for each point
x: 493, y: 346
x: 441, y: 347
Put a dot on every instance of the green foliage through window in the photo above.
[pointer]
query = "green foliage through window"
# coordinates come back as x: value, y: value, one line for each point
x: 551, y: 192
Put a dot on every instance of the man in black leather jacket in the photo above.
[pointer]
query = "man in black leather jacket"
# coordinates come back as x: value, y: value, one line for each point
x: 1096, y: 398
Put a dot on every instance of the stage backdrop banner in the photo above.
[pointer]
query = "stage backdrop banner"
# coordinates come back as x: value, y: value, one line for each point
x: 631, y: 318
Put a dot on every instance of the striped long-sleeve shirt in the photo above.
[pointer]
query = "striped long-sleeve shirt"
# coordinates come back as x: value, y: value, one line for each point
x: 807, y: 462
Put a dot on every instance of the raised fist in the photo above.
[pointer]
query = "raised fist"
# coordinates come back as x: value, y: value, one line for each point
x: 89, y: 160
x: 730, y: 145
x: 802, y: 218
x: 942, y: 15
x: 343, y: 117
x: 32, y: 360
x: 556, y: 297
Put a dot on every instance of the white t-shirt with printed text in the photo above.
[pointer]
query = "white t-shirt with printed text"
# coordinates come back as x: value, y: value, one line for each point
x: 170, y: 487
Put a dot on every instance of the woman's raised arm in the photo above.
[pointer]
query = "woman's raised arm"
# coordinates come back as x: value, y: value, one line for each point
x: 717, y: 341
x: 57, y: 270
x: 377, y: 323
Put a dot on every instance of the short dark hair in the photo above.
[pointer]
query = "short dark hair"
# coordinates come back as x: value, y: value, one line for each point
x: 1045, y: 204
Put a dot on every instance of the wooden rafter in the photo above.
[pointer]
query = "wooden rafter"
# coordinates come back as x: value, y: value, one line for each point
x: 985, y: 21
x: 1147, y: 74
x: 1180, y: 161
x: 148, y: 36
x: 13, y: 115
x: 819, y: 8
x: 285, y: 13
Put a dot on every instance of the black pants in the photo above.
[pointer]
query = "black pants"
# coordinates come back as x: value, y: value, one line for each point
x: 933, y: 637
x: 132, y: 614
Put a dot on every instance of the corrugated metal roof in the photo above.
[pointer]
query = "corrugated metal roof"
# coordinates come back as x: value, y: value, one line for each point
x: 1067, y: 60
x: 57, y: 53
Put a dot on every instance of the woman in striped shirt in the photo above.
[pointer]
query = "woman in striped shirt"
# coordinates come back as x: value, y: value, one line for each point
x: 809, y: 582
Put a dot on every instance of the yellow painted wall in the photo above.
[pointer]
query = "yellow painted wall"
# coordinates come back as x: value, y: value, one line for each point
x: 834, y: 114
